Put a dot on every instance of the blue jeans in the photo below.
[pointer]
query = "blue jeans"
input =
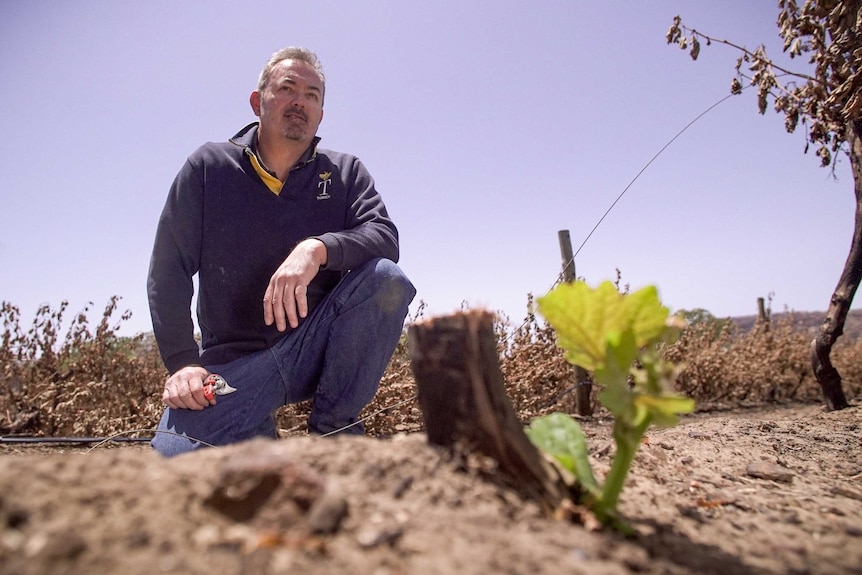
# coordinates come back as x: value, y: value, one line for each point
x: 336, y: 358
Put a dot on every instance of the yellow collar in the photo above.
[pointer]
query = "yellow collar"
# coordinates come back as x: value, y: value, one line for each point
x: 273, y: 183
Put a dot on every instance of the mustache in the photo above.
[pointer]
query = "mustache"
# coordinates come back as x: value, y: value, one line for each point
x: 297, y: 112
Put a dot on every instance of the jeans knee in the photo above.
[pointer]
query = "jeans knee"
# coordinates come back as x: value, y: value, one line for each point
x: 395, y: 290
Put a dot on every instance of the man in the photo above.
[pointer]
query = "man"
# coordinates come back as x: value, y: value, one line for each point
x: 298, y: 293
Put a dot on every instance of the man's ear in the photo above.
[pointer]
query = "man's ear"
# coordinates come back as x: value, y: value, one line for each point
x: 254, y: 100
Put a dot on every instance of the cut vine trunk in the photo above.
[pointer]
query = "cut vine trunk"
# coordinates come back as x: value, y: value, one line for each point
x: 836, y: 315
x: 464, y: 403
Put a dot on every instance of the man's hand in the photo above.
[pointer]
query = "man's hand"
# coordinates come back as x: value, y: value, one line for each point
x: 285, y: 300
x: 185, y: 389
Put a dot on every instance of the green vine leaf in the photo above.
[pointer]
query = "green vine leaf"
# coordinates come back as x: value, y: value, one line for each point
x: 586, y: 320
x: 664, y: 409
x: 560, y: 436
x: 617, y: 337
x: 583, y: 318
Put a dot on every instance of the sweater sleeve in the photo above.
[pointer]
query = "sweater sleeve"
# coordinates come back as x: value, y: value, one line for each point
x: 174, y: 261
x: 369, y: 231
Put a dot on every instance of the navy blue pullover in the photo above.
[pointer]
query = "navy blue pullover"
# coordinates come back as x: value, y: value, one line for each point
x: 223, y: 223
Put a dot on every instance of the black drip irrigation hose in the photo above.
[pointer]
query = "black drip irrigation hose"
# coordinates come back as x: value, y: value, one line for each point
x: 72, y: 440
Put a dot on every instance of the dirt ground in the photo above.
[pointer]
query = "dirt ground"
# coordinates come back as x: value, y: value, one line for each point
x: 771, y: 489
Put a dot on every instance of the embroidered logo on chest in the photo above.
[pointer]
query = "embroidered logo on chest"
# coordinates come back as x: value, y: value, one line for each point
x: 323, y: 185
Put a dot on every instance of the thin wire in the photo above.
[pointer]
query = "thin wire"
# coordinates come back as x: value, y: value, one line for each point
x: 128, y: 431
x: 367, y: 417
x: 619, y: 197
x: 559, y: 279
x: 30, y: 439
x: 647, y: 165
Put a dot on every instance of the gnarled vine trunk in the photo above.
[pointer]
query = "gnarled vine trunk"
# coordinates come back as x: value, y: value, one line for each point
x: 833, y: 326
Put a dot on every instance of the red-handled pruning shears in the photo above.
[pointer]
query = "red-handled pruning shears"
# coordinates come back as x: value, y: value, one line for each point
x: 214, y: 385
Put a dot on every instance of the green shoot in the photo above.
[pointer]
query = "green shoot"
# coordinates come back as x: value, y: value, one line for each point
x: 615, y: 336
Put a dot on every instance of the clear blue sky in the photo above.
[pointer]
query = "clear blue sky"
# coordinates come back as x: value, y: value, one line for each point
x: 488, y: 127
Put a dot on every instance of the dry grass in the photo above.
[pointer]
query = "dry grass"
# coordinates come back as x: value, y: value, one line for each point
x: 770, y: 362
x: 92, y: 382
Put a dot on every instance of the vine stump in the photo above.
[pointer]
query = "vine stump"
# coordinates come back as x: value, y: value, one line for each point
x: 463, y: 401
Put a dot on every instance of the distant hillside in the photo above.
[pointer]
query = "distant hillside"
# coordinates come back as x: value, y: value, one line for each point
x: 809, y: 321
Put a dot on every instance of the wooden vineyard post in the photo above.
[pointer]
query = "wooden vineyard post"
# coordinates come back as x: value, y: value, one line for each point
x: 463, y: 401
x: 583, y: 387
x: 763, y: 319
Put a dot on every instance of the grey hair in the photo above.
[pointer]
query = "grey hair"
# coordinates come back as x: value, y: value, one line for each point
x: 291, y: 53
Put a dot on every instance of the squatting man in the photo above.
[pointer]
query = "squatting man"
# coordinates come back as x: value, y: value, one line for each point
x: 299, y: 294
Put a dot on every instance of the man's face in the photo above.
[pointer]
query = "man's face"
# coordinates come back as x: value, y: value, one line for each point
x: 291, y: 104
